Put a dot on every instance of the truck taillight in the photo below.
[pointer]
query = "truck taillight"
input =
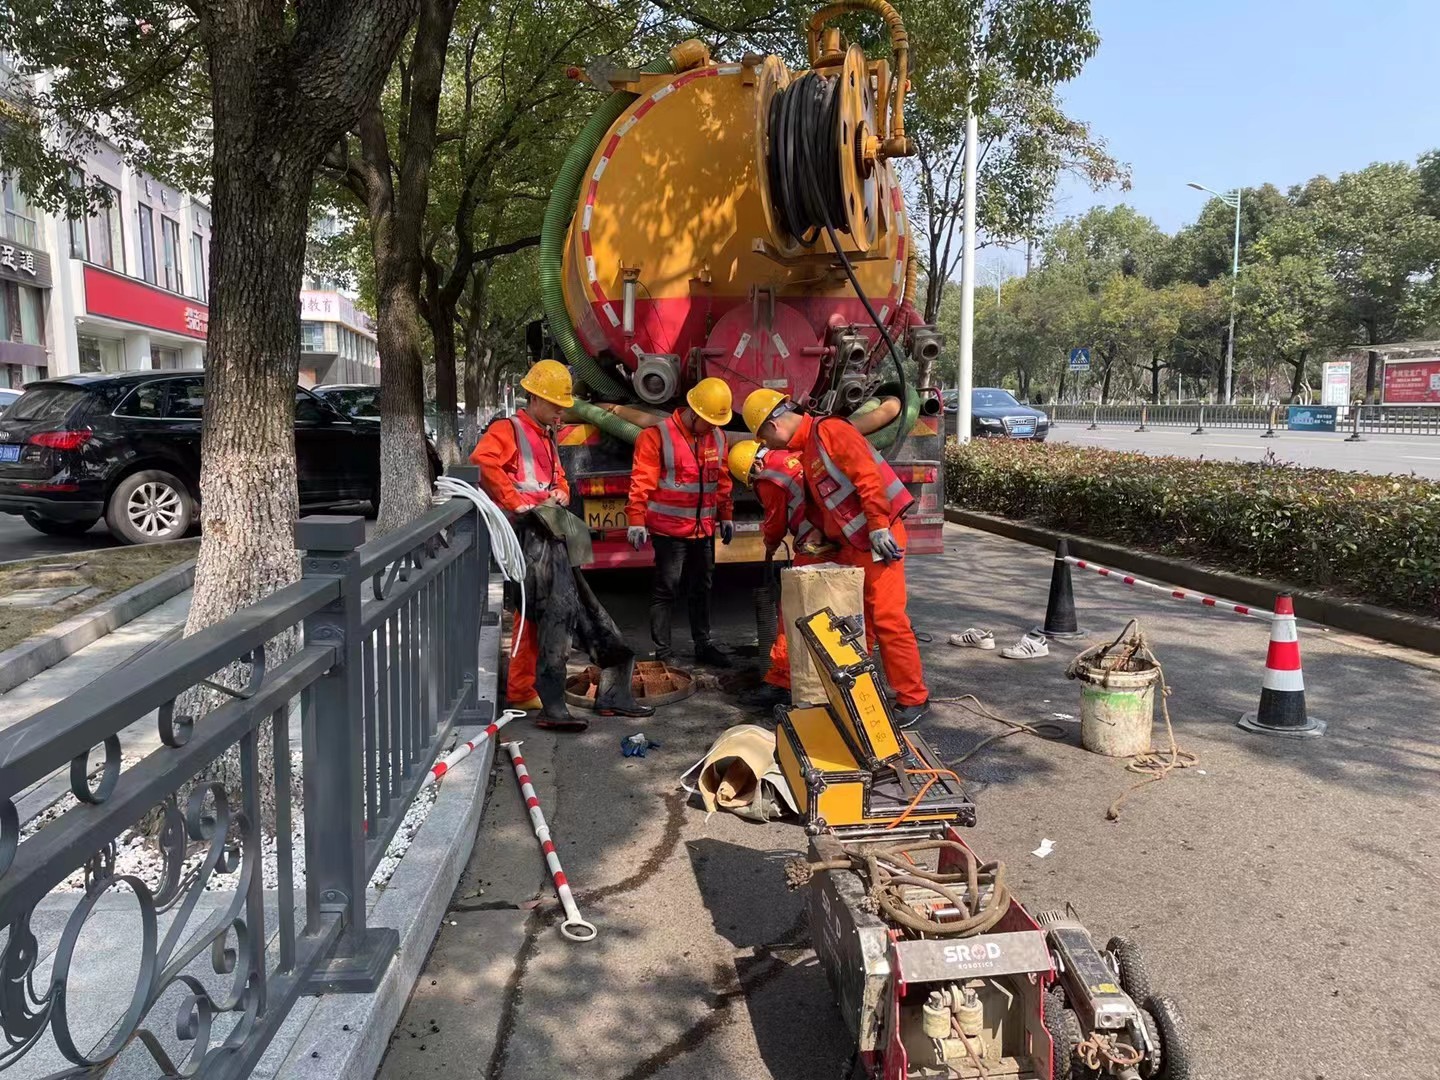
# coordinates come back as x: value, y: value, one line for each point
x: 917, y: 474
x: 617, y: 484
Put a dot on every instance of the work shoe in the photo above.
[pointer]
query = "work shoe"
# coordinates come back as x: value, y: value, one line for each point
x: 554, y: 714
x: 765, y: 696
x: 615, y: 695
x: 709, y: 653
x: 1029, y: 647
x: 907, y: 716
x: 528, y: 705
x: 973, y: 639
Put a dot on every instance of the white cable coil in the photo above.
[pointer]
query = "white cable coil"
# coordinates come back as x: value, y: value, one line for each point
x: 504, y: 544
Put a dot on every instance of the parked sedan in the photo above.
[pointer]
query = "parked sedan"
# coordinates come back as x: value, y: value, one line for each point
x: 127, y: 447
x: 995, y: 412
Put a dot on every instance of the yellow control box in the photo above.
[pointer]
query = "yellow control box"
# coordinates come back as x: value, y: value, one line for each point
x: 852, y: 685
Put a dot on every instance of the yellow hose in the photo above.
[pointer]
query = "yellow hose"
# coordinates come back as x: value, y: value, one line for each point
x: 912, y: 278
x: 897, y: 145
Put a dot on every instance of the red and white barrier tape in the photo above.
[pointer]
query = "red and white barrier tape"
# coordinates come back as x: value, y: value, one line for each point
x: 461, y: 752
x: 574, y: 927
x: 1174, y: 594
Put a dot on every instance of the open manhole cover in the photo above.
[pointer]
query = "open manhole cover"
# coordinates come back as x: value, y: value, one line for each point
x: 654, y: 683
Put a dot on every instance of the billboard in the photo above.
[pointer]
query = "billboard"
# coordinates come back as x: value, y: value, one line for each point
x: 1412, y: 382
x: 1335, y: 383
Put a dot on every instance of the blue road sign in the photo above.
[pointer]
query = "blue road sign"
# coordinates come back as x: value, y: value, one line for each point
x: 1079, y: 358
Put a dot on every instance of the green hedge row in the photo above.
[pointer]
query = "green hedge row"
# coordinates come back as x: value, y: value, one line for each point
x: 1375, y: 538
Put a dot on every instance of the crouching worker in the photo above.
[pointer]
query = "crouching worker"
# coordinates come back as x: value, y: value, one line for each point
x: 778, y: 477
x: 520, y: 470
x: 858, y: 503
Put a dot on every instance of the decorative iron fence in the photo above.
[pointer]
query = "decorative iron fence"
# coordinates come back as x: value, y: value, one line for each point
x: 1366, y: 419
x: 383, y: 661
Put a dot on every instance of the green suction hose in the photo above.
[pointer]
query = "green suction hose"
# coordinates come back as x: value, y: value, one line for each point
x: 558, y: 213
x: 884, y: 438
x: 606, y: 421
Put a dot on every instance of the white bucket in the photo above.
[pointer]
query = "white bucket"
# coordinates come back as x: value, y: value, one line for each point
x: 1117, y: 710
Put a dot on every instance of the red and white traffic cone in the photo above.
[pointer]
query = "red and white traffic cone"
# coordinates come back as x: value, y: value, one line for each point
x: 1282, y: 694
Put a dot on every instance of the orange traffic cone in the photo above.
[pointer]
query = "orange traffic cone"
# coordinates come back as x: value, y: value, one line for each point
x: 1282, y: 694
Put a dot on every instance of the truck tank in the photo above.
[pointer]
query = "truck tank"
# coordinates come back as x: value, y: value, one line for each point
x: 740, y: 220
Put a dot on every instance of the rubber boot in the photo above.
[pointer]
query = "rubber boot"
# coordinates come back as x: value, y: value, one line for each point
x: 554, y: 714
x: 615, y: 695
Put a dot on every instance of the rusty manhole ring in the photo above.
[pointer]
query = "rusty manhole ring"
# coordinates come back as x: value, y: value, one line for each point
x: 653, y: 684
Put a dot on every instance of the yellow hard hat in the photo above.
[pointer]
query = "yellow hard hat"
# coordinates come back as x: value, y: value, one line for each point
x: 710, y: 398
x: 549, y: 380
x: 742, y: 459
x: 758, y: 407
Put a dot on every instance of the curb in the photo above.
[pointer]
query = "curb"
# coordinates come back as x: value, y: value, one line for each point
x: 1411, y: 631
x: 346, y: 1036
x: 49, y: 647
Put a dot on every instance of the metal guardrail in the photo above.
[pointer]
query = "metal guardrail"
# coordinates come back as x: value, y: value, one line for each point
x: 383, y: 658
x: 1366, y: 419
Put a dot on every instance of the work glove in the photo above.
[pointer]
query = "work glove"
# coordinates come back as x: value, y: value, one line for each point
x: 637, y: 535
x: 727, y: 531
x: 882, y: 543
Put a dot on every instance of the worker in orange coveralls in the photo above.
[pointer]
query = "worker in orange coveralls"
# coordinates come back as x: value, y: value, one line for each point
x: 679, y: 499
x: 858, y: 502
x: 778, y: 477
x: 520, y: 470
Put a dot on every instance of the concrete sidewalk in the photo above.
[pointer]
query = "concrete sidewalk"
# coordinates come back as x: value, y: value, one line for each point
x: 1255, y: 881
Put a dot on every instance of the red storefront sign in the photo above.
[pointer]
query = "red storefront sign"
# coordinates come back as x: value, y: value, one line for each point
x: 1412, y: 382
x: 116, y: 296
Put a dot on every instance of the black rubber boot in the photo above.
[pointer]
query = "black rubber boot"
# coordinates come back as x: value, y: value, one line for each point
x: 554, y: 714
x: 765, y: 696
x: 615, y: 695
x: 708, y: 653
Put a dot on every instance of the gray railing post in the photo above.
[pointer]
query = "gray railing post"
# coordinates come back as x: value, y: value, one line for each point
x: 1270, y: 428
x: 1144, y: 416
x: 1355, y: 435
x: 1200, y: 424
x: 334, y: 781
x: 1095, y: 421
x: 474, y: 599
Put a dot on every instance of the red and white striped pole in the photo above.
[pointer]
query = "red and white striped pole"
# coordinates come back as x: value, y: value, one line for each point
x: 574, y: 927
x: 1174, y: 594
x: 1282, y: 694
x: 461, y: 752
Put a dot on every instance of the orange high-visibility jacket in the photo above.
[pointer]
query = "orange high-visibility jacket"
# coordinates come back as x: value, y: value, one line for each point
x: 853, y: 489
x: 520, y: 464
x: 679, y: 485
x: 780, y: 486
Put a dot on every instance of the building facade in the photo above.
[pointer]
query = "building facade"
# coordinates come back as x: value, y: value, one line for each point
x: 337, y: 341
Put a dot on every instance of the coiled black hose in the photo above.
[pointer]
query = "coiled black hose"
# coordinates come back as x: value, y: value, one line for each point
x: 805, y: 184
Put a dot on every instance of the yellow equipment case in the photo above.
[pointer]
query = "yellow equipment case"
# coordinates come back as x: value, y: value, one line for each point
x: 852, y: 686
x: 835, y: 791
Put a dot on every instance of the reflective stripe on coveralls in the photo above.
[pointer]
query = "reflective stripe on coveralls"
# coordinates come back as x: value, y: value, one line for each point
x: 527, y: 477
x: 843, y: 502
x: 801, y: 527
x: 673, y: 498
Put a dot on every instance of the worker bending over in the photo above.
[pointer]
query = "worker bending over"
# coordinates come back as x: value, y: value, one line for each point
x: 520, y: 470
x: 858, y: 502
x: 679, y: 490
x: 778, y: 477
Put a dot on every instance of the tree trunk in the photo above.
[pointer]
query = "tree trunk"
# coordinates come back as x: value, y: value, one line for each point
x: 404, y: 465
x: 470, y: 434
x: 1060, y: 393
x: 442, y: 329
x: 1372, y: 363
x: 1154, y: 380
x: 1299, y: 379
x: 1105, y: 383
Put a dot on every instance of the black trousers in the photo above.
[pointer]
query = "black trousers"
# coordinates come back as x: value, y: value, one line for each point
x: 566, y: 613
x: 683, y: 568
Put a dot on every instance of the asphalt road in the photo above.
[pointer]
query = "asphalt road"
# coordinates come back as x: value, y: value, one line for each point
x: 1282, y: 890
x: 1375, y: 454
x: 19, y: 541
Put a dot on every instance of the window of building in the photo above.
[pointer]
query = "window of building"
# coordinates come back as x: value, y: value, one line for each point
x: 197, y: 264
x: 147, y: 400
x: 147, y: 243
x: 22, y: 314
x: 107, y: 233
x: 170, y: 236
x: 312, y: 337
x: 79, y: 247
x: 100, y: 354
x: 163, y: 359
x: 19, y: 224
x: 187, y: 399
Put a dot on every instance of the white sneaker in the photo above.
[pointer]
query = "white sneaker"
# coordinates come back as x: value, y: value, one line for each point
x: 1029, y: 647
x: 973, y: 639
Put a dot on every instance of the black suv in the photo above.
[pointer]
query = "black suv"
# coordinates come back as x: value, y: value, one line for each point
x: 128, y: 447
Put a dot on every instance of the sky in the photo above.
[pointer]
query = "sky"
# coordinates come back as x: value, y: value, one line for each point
x: 1230, y: 92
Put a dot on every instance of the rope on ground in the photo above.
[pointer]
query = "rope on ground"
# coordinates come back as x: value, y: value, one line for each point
x: 969, y: 702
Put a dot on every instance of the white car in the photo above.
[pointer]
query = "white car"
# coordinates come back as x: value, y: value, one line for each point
x: 8, y: 398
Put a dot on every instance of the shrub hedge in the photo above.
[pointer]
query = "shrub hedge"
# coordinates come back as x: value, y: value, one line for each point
x: 1375, y: 538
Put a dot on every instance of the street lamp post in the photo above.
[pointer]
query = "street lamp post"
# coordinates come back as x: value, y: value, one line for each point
x: 1229, y: 198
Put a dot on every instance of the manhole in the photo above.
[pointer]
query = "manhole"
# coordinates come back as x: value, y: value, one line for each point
x: 654, y: 684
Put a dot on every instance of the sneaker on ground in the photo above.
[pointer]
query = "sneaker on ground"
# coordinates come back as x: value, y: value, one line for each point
x: 907, y: 716
x: 1032, y: 645
x: 973, y: 639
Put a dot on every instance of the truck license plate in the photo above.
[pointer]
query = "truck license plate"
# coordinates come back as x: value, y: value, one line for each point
x: 9, y: 452
x: 606, y: 513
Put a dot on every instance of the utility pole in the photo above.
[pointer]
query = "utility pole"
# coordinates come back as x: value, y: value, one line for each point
x: 1230, y: 198
x: 967, y: 277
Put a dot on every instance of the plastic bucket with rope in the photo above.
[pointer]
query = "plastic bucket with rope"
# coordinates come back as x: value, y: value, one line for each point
x: 1117, y: 698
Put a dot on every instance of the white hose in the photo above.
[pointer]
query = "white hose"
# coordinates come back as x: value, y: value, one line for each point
x: 504, y: 544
